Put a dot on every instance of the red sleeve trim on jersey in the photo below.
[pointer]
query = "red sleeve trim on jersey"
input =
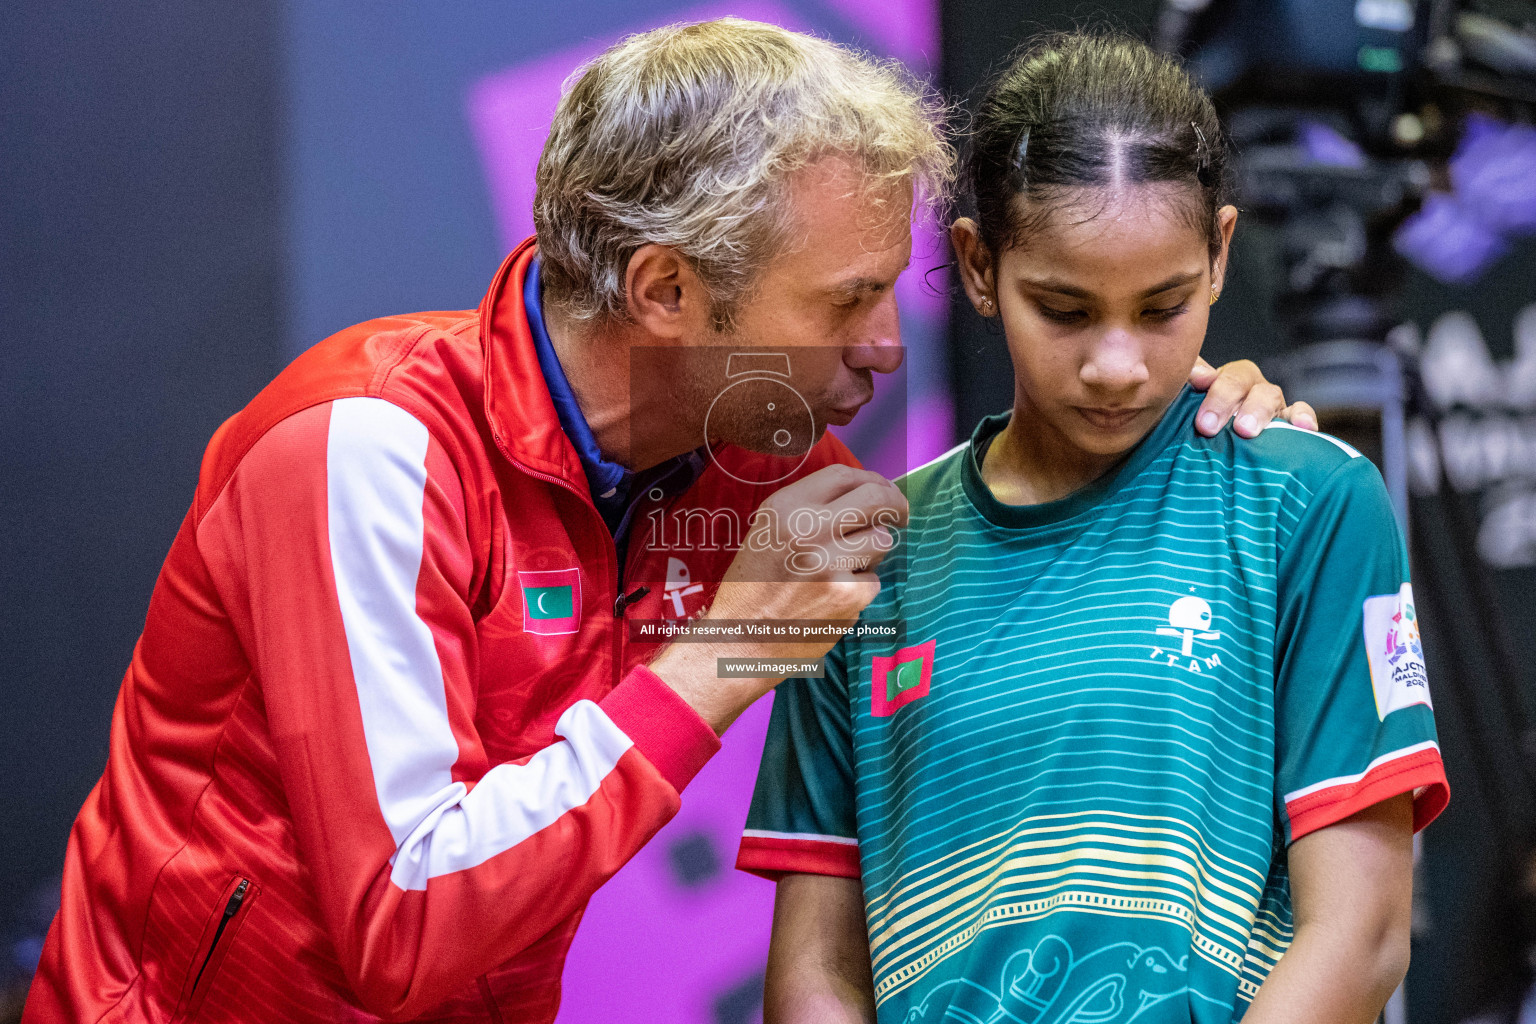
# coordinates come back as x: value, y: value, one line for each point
x: 664, y: 727
x: 1418, y: 771
x: 771, y: 857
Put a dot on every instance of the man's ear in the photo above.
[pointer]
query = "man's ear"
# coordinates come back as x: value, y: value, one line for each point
x: 1226, y: 222
x: 663, y: 295
x: 975, y: 263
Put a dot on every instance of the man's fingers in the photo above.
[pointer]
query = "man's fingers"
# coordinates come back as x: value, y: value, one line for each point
x: 1201, y: 376
x: 860, y: 527
x: 850, y: 533
x: 1225, y: 395
x: 825, y: 486
x: 858, y: 590
x: 1263, y: 404
x: 877, y: 502
x: 856, y: 554
x: 1300, y: 414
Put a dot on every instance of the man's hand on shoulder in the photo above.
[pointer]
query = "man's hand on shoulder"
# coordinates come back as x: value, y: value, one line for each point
x: 1239, y: 389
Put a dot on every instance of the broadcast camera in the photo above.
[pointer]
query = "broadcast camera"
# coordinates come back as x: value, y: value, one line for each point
x: 1345, y: 117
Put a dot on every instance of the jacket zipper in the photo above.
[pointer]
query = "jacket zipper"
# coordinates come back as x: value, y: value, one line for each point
x: 230, y: 909
x: 622, y: 600
x: 619, y: 604
x: 618, y: 569
x: 625, y: 600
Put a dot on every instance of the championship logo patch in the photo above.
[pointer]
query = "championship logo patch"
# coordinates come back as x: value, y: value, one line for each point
x: 901, y: 678
x: 551, y: 601
x: 1395, y: 651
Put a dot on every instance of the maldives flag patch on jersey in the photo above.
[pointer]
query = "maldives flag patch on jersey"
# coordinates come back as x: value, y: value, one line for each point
x: 901, y: 678
x: 551, y: 601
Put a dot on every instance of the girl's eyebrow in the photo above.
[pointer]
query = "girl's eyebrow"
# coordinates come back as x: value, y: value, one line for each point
x: 1177, y: 280
x: 1060, y: 287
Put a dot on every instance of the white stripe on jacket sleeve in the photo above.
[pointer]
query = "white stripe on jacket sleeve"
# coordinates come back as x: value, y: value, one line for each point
x: 375, y: 487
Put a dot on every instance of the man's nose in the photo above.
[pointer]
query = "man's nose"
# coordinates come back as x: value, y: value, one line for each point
x: 880, y: 349
x: 1115, y: 362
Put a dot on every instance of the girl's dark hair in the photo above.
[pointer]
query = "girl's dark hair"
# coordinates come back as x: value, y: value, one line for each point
x: 1090, y: 109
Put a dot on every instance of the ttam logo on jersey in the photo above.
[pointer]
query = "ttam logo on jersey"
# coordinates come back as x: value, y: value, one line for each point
x: 1395, y: 651
x: 679, y: 585
x: 901, y: 678
x: 551, y: 601
x: 1189, y: 619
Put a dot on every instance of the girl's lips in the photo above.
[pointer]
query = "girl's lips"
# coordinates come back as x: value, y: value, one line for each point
x: 1109, y: 419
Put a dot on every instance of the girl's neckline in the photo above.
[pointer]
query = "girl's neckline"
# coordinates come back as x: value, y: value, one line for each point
x: 1178, y: 416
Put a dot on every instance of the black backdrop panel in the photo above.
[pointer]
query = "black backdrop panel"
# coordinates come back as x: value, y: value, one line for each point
x: 1480, y: 644
x: 139, y: 283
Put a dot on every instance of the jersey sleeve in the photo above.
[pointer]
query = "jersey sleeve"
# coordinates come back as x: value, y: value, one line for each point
x: 342, y: 535
x: 1354, y: 723
x: 801, y: 818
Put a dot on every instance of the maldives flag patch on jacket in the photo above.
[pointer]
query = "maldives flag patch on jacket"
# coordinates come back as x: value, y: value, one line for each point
x: 901, y: 678
x: 551, y: 601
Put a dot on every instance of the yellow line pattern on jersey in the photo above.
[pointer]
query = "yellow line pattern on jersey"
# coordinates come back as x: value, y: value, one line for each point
x: 1029, y: 862
x: 1034, y: 875
x: 1082, y: 902
x: 1266, y: 945
x: 1132, y: 869
x: 982, y: 855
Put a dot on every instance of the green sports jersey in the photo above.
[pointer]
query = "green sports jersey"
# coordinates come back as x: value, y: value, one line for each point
x: 1070, y: 787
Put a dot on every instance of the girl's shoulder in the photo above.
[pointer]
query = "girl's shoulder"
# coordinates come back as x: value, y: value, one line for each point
x: 1288, y: 477
x: 934, y: 481
x: 1303, y: 451
x: 1306, y: 459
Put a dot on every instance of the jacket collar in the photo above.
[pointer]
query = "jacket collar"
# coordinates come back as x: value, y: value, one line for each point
x: 518, y: 407
x: 606, y: 478
x: 522, y: 415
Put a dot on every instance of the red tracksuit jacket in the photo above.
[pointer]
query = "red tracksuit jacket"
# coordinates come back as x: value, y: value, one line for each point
x: 383, y: 734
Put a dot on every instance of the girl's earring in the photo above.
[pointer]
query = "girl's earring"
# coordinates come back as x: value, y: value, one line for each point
x: 986, y: 307
x: 1214, y: 295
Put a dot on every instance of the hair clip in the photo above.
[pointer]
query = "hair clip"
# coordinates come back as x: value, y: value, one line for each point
x: 1202, y: 156
x: 1017, y: 179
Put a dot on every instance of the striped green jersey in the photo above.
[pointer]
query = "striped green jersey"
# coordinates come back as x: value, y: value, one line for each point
x: 1070, y: 784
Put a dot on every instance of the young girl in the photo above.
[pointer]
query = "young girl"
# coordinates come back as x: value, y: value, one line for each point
x: 1158, y: 735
